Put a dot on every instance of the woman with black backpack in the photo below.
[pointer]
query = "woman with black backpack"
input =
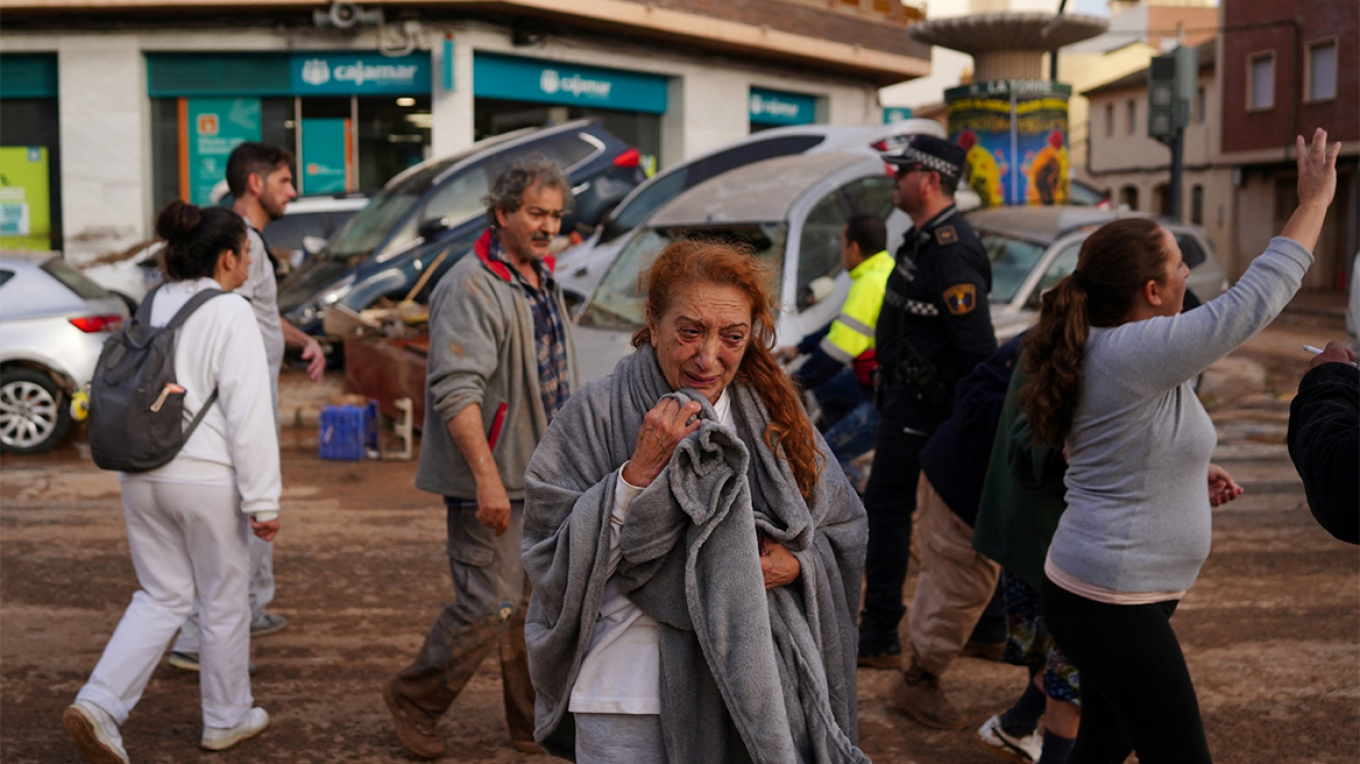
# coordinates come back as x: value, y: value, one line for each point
x: 188, y: 520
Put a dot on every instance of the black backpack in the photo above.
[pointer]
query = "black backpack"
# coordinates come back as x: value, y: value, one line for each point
x: 136, y: 405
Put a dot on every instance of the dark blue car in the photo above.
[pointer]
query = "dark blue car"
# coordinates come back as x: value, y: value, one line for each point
x: 430, y: 215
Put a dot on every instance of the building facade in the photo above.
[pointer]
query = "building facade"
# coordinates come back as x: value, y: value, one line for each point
x: 1285, y: 69
x: 119, y: 108
x: 1135, y: 169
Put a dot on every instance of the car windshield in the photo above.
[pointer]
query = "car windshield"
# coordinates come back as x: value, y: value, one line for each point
x: 365, y: 231
x: 620, y: 303
x: 669, y: 185
x: 1012, y: 260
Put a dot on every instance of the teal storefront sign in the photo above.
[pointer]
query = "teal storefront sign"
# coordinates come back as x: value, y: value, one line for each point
x: 216, y: 126
x: 530, y: 79
x: 896, y: 113
x: 274, y: 74
x: 325, y: 152
x: 359, y: 74
x: 774, y: 107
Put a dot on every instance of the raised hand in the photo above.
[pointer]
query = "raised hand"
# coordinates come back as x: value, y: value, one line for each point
x: 1317, y: 169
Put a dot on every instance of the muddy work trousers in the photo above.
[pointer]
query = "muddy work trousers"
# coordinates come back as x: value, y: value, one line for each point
x: 491, y: 595
x: 953, y: 586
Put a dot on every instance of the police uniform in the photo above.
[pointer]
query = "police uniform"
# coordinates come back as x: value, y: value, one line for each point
x: 934, y: 327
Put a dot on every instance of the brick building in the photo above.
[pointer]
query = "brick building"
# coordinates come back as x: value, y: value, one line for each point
x: 1286, y: 68
x: 113, y: 97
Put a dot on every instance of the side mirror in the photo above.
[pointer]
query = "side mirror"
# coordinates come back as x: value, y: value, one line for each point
x: 313, y: 245
x: 429, y: 228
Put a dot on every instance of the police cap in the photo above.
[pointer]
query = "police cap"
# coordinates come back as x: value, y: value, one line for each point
x: 938, y: 154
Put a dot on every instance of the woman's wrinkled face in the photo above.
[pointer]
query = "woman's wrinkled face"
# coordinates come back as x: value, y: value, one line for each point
x: 702, y: 337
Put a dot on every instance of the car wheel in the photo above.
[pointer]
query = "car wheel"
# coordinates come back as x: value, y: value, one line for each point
x: 33, y: 411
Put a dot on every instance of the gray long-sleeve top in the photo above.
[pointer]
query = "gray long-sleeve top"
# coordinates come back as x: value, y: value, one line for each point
x: 1138, y: 517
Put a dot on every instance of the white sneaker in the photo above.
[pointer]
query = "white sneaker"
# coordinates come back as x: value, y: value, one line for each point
x: 95, y: 733
x: 1025, y: 750
x: 218, y: 739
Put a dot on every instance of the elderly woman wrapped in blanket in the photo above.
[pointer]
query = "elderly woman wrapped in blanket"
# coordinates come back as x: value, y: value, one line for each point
x: 695, y: 566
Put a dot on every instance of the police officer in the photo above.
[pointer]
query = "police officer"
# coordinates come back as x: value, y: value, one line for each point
x: 934, y: 327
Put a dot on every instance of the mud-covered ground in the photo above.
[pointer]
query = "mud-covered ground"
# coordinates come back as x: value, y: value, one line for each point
x: 1271, y: 630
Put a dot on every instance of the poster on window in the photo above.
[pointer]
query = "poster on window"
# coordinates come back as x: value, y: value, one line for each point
x: 1015, y: 133
x: 25, y: 198
x: 214, y: 126
x: 326, y: 156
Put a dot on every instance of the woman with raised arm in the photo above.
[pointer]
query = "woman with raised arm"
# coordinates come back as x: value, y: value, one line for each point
x: 188, y: 520
x: 695, y: 564
x: 1110, y: 367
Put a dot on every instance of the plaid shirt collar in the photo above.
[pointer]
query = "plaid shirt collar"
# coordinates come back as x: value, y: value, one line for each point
x: 550, y: 336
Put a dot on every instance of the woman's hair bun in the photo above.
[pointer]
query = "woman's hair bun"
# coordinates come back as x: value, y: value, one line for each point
x: 177, y: 220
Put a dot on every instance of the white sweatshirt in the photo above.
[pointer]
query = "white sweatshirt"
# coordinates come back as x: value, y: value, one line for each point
x: 220, y: 346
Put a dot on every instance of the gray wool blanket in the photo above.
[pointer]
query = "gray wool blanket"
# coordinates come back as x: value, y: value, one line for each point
x: 746, y: 675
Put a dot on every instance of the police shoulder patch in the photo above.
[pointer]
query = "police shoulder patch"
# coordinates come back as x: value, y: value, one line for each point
x: 960, y: 299
x: 946, y: 234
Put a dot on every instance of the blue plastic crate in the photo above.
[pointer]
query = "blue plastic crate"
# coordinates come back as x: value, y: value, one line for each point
x: 348, y: 432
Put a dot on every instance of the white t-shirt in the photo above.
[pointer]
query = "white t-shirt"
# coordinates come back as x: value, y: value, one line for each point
x: 621, y: 673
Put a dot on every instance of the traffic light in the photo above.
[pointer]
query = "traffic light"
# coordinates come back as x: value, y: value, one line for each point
x: 1171, y: 89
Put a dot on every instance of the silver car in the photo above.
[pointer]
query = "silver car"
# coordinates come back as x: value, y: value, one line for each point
x: 53, y: 323
x: 580, y: 267
x: 789, y: 209
x: 1033, y: 248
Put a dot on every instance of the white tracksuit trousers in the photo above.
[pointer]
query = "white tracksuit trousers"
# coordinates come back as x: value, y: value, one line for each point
x: 184, y: 538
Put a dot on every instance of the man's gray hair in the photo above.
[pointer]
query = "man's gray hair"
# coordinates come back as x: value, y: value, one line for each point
x: 507, y: 192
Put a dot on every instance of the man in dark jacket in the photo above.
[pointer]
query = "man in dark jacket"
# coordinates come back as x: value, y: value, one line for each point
x: 1324, y: 440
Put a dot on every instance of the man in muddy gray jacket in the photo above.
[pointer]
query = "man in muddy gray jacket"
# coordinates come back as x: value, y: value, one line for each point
x: 501, y: 364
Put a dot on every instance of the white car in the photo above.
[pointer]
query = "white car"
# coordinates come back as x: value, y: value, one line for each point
x: 580, y: 268
x: 53, y: 323
x: 790, y: 209
x: 1032, y: 248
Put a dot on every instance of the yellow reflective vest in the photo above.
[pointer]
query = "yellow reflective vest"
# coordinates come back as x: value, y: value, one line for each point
x: 852, y: 333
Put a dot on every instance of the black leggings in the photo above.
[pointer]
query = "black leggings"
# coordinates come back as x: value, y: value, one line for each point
x: 1136, y: 693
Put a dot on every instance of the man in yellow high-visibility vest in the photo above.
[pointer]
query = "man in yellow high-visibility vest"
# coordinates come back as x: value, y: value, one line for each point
x: 841, y: 364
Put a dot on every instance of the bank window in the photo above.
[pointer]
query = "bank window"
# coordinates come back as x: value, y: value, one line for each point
x: 1261, y: 81
x: 1322, y: 70
x: 1109, y: 120
x: 1197, y: 205
x: 1131, y: 117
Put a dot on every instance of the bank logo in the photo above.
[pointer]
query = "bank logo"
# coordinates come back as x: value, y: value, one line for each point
x: 773, y: 107
x: 316, y: 72
x: 550, y: 82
